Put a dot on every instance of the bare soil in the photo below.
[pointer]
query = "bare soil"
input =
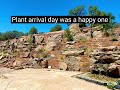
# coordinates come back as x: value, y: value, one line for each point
x: 43, y: 79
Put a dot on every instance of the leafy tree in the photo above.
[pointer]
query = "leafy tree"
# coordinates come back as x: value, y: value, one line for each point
x: 33, y: 30
x: 56, y: 28
x: 116, y: 25
x: 78, y: 11
x: 26, y: 34
x: 107, y: 27
x: 10, y: 35
x: 93, y: 11
x: 41, y: 32
x: 111, y: 17
x: 17, y: 34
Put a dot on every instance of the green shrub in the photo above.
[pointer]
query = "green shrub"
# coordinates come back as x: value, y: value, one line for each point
x: 29, y: 48
x: 7, y: 42
x: 41, y: 50
x: 65, y: 49
x: 89, y: 50
x: 30, y: 39
x: 68, y: 35
x: 111, y: 85
x: 33, y: 30
x: 83, y: 48
x: 56, y: 28
x: 36, y: 55
x: 44, y: 54
x: 114, y: 38
x: 83, y: 39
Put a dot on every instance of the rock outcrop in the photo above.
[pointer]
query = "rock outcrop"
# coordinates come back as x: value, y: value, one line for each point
x: 72, y: 56
x: 73, y: 63
x: 106, y: 60
x: 52, y: 50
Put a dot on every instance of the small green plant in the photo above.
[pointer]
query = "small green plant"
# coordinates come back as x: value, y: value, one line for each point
x: 111, y: 32
x: 83, y: 39
x: 41, y: 50
x: 7, y: 42
x: 110, y: 85
x: 36, y: 56
x: 83, y: 48
x: 68, y: 35
x: 33, y: 30
x: 89, y: 50
x: 102, y: 78
x: 65, y: 49
x: 44, y: 54
x: 56, y: 28
x: 30, y: 39
x: 113, y: 38
x: 29, y: 48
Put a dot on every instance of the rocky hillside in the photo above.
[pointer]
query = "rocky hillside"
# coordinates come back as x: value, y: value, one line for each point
x: 52, y: 50
x: 106, y: 61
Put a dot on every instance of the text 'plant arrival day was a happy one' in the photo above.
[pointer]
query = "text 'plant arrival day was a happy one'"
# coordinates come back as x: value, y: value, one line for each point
x: 60, y: 19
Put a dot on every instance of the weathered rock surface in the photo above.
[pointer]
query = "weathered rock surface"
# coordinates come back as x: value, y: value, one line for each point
x: 63, y: 66
x: 25, y: 55
x: 106, y: 60
x: 55, y: 38
x: 50, y: 46
x: 73, y: 53
x: 73, y: 63
x: 38, y: 48
x: 54, y: 49
x: 74, y: 28
x: 39, y: 38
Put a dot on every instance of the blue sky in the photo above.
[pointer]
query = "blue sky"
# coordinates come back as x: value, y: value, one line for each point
x: 10, y: 8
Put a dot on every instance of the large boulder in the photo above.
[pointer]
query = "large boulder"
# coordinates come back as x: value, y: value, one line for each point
x: 1, y: 57
x: 17, y: 63
x: 97, y: 34
x: 73, y: 53
x: 106, y: 59
x: 114, y: 70
x: 55, y: 38
x: 74, y: 28
x: 106, y: 49
x: 39, y: 38
x: 117, y: 62
x: 44, y: 64
x: 54, y: 63
x: 25, y: 55
x: 63, y: 66
x: 4, y: 55
x: 50, y: 46
x: 73, y: 63
x: 23, y: 39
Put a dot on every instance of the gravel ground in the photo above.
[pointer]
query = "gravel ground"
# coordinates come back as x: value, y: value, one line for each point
x: 4, y: 70
x: 42, y: 79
